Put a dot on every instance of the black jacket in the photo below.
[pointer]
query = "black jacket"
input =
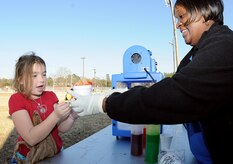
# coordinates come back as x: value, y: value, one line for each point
x: 201, y: 90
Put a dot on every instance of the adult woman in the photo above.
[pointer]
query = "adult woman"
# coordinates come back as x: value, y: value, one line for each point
x: 199, y: 94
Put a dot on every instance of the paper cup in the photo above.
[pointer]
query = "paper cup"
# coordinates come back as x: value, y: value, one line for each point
x: 165, y: 141
x: 83, y: 89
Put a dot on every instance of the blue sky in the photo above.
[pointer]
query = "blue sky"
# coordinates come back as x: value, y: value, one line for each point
x: 64, y: 31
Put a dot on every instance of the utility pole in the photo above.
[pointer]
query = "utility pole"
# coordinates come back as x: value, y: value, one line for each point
x: 170, y: 4
x: 94, y: 76
x: 71, y: 79
x: 173, y: 55
x: 83, y: 58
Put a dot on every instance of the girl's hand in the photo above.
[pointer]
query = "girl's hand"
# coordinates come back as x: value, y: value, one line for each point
x: 62, y: 110
x: 73, y: 115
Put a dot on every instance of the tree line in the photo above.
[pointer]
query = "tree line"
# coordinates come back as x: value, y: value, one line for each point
x: 64, y: 81
x: 69, y: 80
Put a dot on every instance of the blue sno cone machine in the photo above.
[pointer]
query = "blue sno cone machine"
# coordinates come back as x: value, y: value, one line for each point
x: 138, y: 69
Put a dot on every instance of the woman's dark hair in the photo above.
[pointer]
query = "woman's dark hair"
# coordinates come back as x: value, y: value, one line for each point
x: 209, y: 9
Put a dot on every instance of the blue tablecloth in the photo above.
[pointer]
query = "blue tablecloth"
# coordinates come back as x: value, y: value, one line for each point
x: 103, y: 148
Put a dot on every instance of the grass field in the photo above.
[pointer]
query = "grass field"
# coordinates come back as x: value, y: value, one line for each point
x: 6, y: 124
x: 82, y: 128
x: 7, y: 132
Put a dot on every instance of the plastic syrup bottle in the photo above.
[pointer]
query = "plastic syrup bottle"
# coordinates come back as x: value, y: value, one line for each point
x: 152, y: 143
x: 136, y: 140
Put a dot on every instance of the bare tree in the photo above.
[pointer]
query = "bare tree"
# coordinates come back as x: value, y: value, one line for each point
x: 62, y: 76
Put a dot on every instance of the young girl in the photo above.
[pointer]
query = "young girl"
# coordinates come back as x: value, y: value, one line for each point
x: 37, y: 116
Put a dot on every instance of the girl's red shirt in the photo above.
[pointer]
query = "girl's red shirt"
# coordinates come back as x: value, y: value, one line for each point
x: 19, y: 101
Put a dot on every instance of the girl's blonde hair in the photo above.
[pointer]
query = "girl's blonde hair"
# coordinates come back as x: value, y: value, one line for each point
x: 23, y: 72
